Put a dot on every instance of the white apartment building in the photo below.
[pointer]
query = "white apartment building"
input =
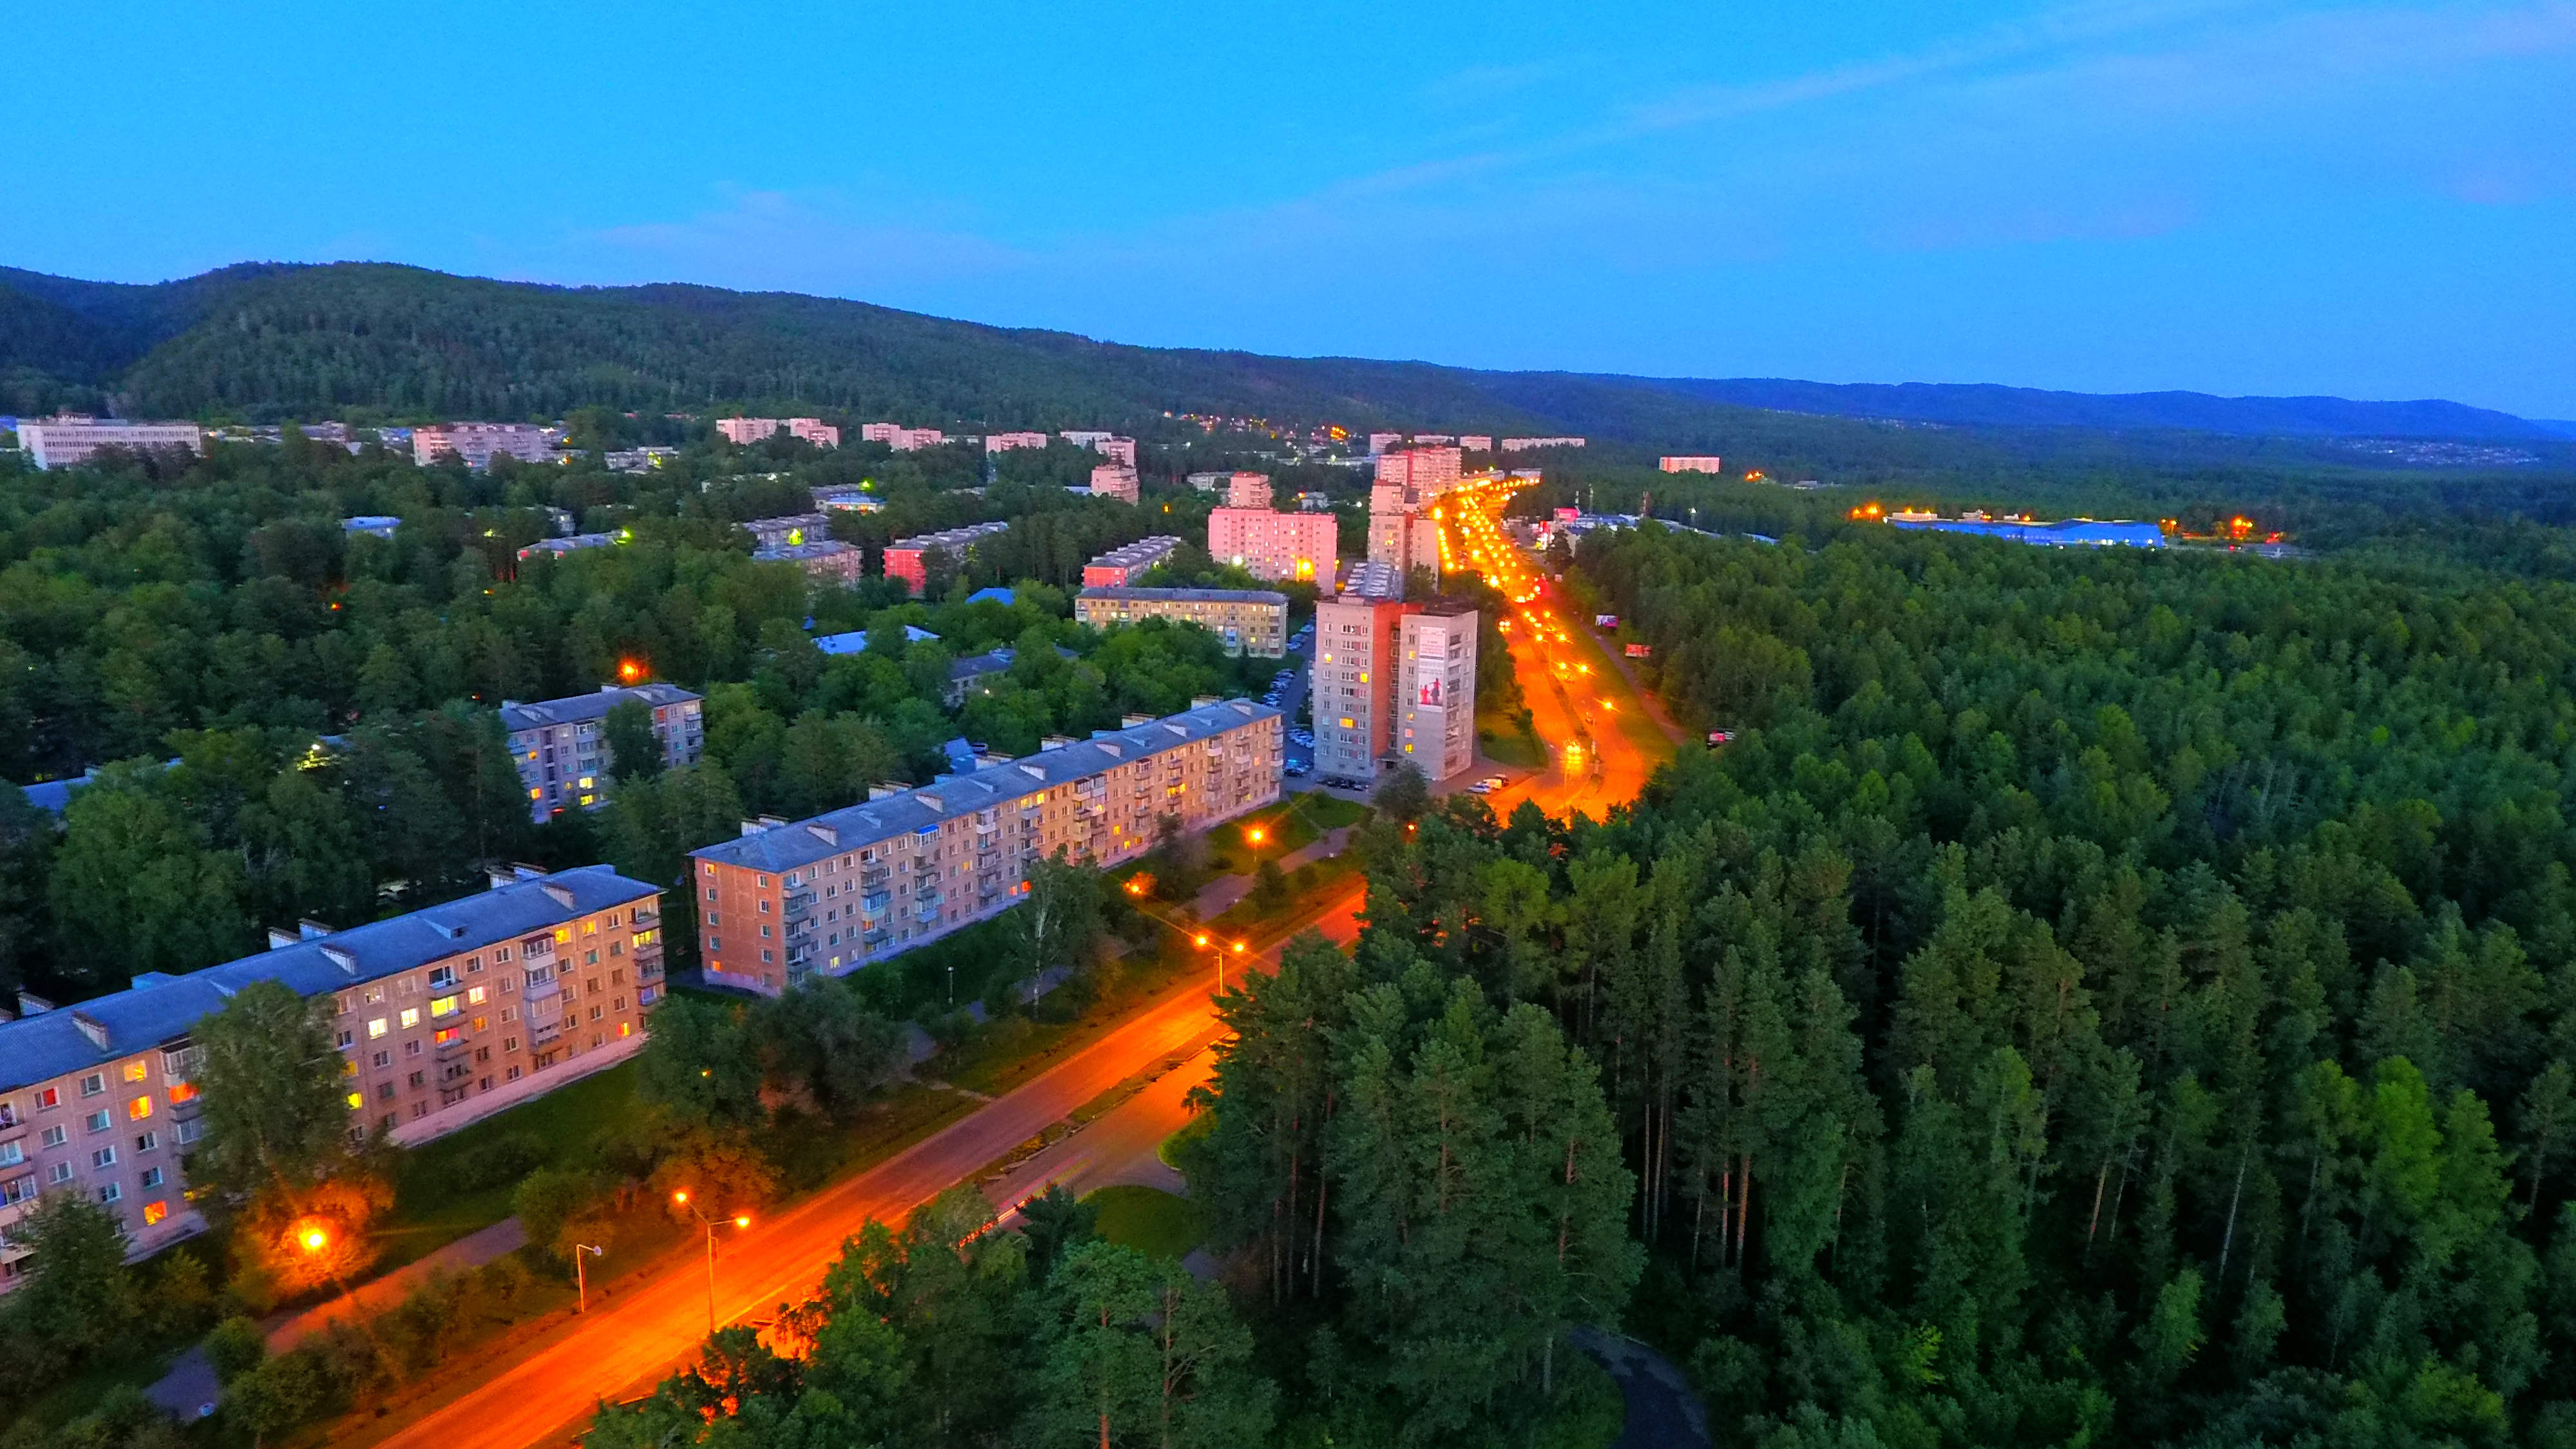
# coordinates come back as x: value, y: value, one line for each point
x: 71, y: 440
x: 1393, y: 681
x: 561, y: 745
x: 854, y: 886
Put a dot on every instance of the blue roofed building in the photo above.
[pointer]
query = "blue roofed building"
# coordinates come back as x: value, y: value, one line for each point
x: 850, y: 887
x: 443, y: 1016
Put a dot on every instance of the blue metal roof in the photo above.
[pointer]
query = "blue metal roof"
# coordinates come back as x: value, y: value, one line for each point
x: 158, y: 1008
x: 789, y: 847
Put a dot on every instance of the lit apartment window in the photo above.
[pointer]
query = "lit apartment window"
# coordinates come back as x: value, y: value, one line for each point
x: 375, y: 1028
x: 154, y: 1212
x: 135, y: 1070
x: 410, y: 1017
x: 138, y: 1109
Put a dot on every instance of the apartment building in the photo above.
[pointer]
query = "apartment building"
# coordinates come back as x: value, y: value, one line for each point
x: 739, y: 431
x: 1117, y: 480
x: 1276, y: 545
x: 906, y: 558
x: 1247, y: 490
x: 1108, y: 445
x: 844, y: 498
x: 1405, y: 539
x: 1127, y: 561
x: 1393, y: 681
x: 1692, y: 463
x: 558, y: 547
x: 827, y: 561
x: 1435, y: 688
x: 1380, y: 442
x: 1208, y: 482
x: 1005, y: 442
x: 788, y: 529
x: 1523, y: 445
x: 830, y: 895
x: 1476, y: 442
x: 1250, y: 621
x: 442, y: 1016
x: 901, y: 438
x: 561, y: 745
x: 70, y: 440
x: 478, y: 443
x: 1427, y: 471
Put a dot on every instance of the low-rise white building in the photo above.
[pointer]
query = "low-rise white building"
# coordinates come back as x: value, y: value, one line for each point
x: 71, y: 440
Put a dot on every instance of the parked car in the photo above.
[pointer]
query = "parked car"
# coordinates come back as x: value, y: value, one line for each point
x: 1481, y: 787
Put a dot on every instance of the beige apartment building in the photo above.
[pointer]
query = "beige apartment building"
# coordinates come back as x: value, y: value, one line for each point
x: 1276, y: 545
x: 561, y: 745
x: 1250, y: 621
x: 442, y: 1016
x: 851, y: 887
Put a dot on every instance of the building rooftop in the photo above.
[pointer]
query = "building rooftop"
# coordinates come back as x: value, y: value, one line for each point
x: 1373, y: 579
x: 157, y: 1008
x: 951, y: 537
x: 857, y: 639
x: 1142, y: 551
x: 799, y: 552
x: 792, y: 847
x: 992, y: 595
x: 573, y: 709
x: 1188, y: 596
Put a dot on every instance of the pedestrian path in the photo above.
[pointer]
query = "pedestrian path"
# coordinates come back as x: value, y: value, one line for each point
x: 1218, y: 895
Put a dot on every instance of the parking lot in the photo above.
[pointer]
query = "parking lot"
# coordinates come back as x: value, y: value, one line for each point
x: 1288, y: 692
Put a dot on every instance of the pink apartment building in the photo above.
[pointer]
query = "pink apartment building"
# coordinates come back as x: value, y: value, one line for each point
x: 1424, y: 470
x: 1005, y: 442
x: 1276, y: 545
x: 1708, y: 463
x: 901, y: 438
x: 1248, y: 490
x: 477, y: 442
x: 739, y: 431
x: 1115, y: 480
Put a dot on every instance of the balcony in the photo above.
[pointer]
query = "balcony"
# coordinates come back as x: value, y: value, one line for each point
x: 538, y: 991
x: 877, y: 936
x: 448, y: 1051
x: 875, y: 877
x: 798, y: 902
x: 874, y: 903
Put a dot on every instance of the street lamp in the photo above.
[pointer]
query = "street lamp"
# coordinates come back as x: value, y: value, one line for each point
x: 740, y: 1220
x: 581, y: 1280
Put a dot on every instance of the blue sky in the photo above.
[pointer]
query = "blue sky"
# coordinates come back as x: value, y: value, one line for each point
x: 2371, y: 200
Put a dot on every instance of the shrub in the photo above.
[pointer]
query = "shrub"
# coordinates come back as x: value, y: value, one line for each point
x: 505, y: 1158
x: 235, y: 1347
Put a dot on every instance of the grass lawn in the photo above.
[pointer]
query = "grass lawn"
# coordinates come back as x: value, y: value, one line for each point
x: 1310, y: 886
x: 137, y: 1364
x: 1151, y: 1221
x: 432, y: 1208
x: 1511, y: 747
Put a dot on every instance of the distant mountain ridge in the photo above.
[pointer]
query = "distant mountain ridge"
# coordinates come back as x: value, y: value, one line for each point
x: 269, y: 340
x: 1994, y: 405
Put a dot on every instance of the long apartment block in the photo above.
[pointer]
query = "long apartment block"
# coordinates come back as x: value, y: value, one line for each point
x: 785, y: 902
x: 442, y: 1016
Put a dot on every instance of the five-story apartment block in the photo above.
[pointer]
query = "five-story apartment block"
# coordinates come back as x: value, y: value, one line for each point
x: 785, y: 902
x: 561, y: 745
x: 441, y: 1016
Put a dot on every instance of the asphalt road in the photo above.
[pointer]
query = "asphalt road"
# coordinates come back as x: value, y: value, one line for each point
x: 622, y: 1348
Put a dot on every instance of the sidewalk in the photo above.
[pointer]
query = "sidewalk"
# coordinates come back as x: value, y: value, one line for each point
x: 189, y: 1388
x: 1223, y: 892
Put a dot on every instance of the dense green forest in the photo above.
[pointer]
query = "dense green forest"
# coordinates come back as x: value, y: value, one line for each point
x: 2097, y: 998
x: 214, y: 613
x: 267, y: 342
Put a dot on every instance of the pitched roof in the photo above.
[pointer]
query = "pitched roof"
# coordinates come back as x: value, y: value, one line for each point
x: 158, y: 1008
x: 572, y: 709
x: 789, y: 847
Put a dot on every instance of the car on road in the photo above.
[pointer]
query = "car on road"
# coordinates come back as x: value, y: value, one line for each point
x: 1481, y: 787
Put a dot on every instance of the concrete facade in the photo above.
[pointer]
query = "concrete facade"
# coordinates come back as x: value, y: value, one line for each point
x: 1250, y: 621
x: 858, y: 885
x: 905, y: 558
x: 67, y: 442
x: 561, y: 745
x: 1115, y: 568
x: 828, y: 561
x: 432, y: 1011
x: 739, y: 431
x: 1276, y: 545
x: 478, y: 443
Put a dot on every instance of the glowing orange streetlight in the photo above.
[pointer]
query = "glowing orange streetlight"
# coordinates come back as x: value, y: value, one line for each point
x: 629, y: 670
x: 740, y: 1220
x: 315, y: 1240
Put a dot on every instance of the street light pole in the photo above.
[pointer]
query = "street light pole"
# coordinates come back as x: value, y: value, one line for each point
x: 581, y: 1280
x: 740, y: 1220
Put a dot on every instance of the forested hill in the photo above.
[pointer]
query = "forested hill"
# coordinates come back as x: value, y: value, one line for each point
x: 265, y: 342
